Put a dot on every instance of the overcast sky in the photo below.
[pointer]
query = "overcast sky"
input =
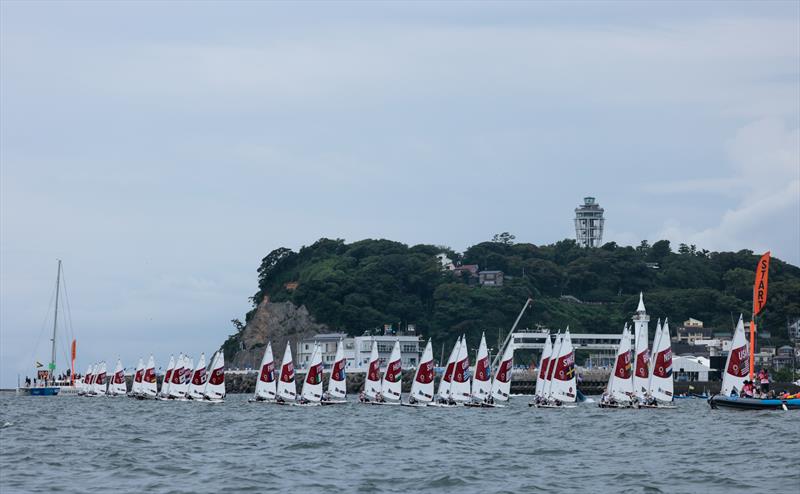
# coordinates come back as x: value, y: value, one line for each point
x: 161, y: 150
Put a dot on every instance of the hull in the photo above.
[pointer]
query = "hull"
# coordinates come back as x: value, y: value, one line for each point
x: 259, y: 400
x: 415, y: 405
x: 315, y: 404
x: 333, y: 402
x: 615, y: 405
x: 45, y: 391
x: 388, y: 403
x: 534, y: 405
x: 664, y: 406
x: 738, y: 403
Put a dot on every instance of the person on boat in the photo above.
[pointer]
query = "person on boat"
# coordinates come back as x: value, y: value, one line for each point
x: 279, y: 399
x: 412, y: 400
x: 326, y: 396
x: 362, y: 397
x: 490, y: 400
x: 747, y: 390
x: 379, y: 397
x: 763, y: 378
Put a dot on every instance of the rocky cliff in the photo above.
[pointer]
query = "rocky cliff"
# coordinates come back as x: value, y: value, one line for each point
x: 272, y: 321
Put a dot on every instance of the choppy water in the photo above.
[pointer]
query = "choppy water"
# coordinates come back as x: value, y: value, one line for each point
x: 72, y: 444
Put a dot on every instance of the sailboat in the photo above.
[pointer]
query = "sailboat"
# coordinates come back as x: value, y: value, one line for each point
x: 372, y: 383
x: 460, y: 386
x: 214, y: 389
x: 197, y: 381
x: 660, y: 386
x: 117, y: 386
x: 177, y: 390
x: 641, y: 370
x: 311, y: 394
x: 619, y: 391
x: 148, y: 388
x: 392, y: 379
x: 337, y: 384
x: 136, y: 384
x: 86, y: 383
x: 443, y: 396
x: 501, y: 384
x: 562, y: 388
x: 541, y: 377
x: 265, y: 385
x: 422, y: 386
x: 165, y: 383
x: 482, y: 378
x: 99, y: 385
x: 287, y: 390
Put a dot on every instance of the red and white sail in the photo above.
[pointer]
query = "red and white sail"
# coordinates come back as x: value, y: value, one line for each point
x: 177, y: 388
x: 266, y: 384
x: 422, y: 386
x: 393, y: 376
x: 661, y: 386
x: 372, y: 385
x: 620, y: 385
x: 564, y: 386
x: 214, y: 389
x: 197, y: 382
x: 459, y: 388
x: 482, y: 378
x: 544, y: 367
x: 551, y: 365
x: 312, y: 385
x: 85, y: 384
x: 138, y: 377
x: 149, y: 386
x: 118, y: 386
x: 337, y: 384
x: 99, y: 386
x: 737, y: 366
x: 501, y: 384
x: 641, y: 370
x: 287, y: 390
x: 166, y: 383
x: 447, y: 378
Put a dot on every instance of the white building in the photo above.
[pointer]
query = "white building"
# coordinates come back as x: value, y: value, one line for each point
x: 690, y: 368
x: 357, y: 350
x: 328, y: 341
x: 589, y: 223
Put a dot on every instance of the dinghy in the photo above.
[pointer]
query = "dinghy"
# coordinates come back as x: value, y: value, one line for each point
x: 86, y: 383
x: 198, y: 380
x: 214, y: 389
x: 444, y: 397
x: 311, y: 394
x: 117, y: 386
x: 660, y: 387
x: 148, y: 389
x: 99, y: 386
x: 562, y: 389
x: 641, y: 370
x: 482, y: 378
x: 541, y: 377
x: 619, y: 392
x: 165, y: 384
x: 337, y: 384
x: 392, y: 379
x: 422, y: 387
x: 372, y: 383
x: 265, y: 386
x: 501, y: 384
x: 460, y: 385
x: 287, y: 390
x: 138, y: 376
x: 177, y: 388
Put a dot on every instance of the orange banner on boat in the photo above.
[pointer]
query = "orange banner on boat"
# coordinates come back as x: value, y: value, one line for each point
x: 761, y: 284
x: 74, y: 348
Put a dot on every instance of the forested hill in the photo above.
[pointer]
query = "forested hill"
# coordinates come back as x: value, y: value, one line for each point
x: 366, y: 284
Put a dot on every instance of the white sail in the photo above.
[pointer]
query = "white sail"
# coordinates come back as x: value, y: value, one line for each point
x: 482, y: 378
x: 393, y: 376
x: 372, y: 384
x: 422, y: 386
x: 447, y: 377
x: 737, y: 365
x: 641, y: 370
x: 266, y: 385
x: 544, y: 366
x: 661, y: 385
x: 287, y: 390
x: 176, y: 387
x: 564, y: 384
x: 501, y: 384
x: 337, y: 384
x: 149, y: 386
x: 214, y: 389
x: 166, y: 383
x: 100, y: 380
x: 620, y: 385
x: 312, y: 385
x: 551, y: 365
x: 138, y: 377
x: 84, y: 383
x: 197, y: 382
x: 118, y: 386
x: 459, y: 387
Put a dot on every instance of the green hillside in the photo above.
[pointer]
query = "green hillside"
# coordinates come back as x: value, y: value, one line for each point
x: 366, y: 284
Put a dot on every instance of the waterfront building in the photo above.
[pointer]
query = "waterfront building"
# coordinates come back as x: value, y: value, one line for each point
x: 690, y: 368
x: 589, y: 223
x: 490, y: 278
x: 357, y: 349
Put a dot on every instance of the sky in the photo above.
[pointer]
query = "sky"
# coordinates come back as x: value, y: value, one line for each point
x: 162, y: 149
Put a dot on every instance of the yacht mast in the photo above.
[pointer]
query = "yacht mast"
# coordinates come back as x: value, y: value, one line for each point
x: 52, y: 366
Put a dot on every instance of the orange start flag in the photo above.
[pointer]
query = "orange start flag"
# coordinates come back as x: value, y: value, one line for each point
x: 761, y: 284
x: 72, y: 363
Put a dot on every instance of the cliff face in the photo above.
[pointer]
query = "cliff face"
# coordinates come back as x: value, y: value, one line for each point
x: 276, y: 322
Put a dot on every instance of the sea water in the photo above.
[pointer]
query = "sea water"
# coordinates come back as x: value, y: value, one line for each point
x: 120, y: 445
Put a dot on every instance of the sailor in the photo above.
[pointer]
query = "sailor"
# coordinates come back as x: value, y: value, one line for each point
x: 279, y: 399
x: 412, y: 400
x: 326, y: 396
x: 763, y: 378
x: 362, y: 397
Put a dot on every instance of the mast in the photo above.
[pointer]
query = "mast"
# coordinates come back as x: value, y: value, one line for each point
x: 508, y: 337
x: 55, y: 324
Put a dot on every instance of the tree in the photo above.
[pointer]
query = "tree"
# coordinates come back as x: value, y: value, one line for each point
x: 660, y: 250
x: 683, y: 249
x: 504, y: 238
x: 643, y: 248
